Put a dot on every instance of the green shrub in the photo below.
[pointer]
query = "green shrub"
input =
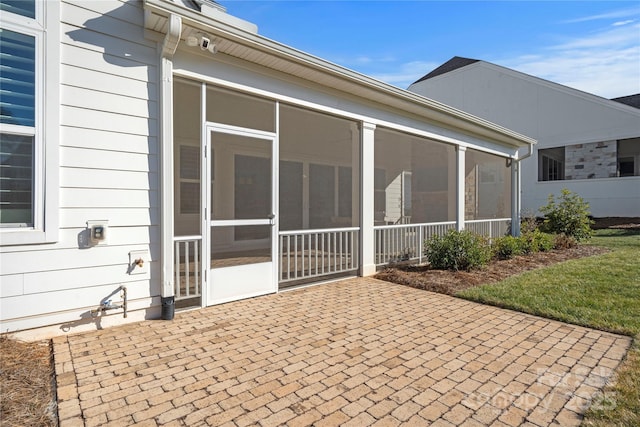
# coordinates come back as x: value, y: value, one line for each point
x: 537, y: 241
x: 458, y: 250
x: 568, y: 215
x: 506, y: 247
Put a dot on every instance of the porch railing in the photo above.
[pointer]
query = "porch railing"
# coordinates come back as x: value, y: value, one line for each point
x: 187, y: 258
x: 490, y: 228
x: 405, y: 242
x: 308, y: 254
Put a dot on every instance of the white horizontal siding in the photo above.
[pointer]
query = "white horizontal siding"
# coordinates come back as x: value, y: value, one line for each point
x: 68, y: 299
x: 109, y: 170
x: 127, y: 10
x: 79, y: 319
x: 107, y: 17
x: 118, y: 217
x: 109, y: 83
x: 103, y: 101
x: 73, y: 157
x: 92, y: 60
x: 108, y: 198
x: 59, y: 280
x: 12, y: 284
x: 115, y: 49
x: 101, y: 120
x: 74, y: 238
x: 104, y: 179
x: 65, y: 259
x: 105, y: 140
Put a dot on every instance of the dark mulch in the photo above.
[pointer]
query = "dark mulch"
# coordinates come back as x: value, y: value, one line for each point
x: 450, y: 282
x: 616, y: 222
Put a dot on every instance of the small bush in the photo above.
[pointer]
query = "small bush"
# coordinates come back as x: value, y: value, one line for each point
x: 537, y: 241
x: 458, y: 250
x: 507, y: 247
x: 528, y: 222
x: 562, y: 241
x: 568, y: 215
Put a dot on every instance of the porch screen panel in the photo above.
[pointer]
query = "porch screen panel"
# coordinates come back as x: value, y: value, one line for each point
x: 319, y: 170
x: 187, y: 157
x: 239, y: 109
x: 487, y: 186
x: 291, y: 177
x: 414, y: 179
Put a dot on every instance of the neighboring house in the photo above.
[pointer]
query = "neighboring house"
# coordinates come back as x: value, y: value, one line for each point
x: 161, y: 154
x: 586, y: 143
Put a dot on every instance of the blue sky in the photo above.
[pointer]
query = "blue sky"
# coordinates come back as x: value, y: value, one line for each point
x: 589, y: 45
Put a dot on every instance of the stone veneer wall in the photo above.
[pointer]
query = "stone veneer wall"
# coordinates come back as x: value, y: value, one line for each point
x: 593, y: 160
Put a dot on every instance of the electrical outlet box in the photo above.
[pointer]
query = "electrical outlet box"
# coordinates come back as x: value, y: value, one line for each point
x: 139, y: 262
x: 98, y: 231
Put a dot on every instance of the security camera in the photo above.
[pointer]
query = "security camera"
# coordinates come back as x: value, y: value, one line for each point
x: 204, y: 43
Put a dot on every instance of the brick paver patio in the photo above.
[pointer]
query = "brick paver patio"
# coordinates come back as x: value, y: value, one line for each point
x: 356, y: 352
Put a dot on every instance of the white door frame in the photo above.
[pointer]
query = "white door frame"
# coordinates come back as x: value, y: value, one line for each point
x: 208, y: 223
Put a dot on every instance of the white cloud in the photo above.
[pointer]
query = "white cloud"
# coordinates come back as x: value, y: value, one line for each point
x: 606, y: 63
x: 619, y: 23
x: 615, y: 14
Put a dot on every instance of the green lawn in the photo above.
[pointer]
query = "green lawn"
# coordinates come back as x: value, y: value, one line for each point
x: 601, y: 292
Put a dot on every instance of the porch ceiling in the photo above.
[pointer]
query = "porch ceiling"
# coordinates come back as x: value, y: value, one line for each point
x: 259, y: 50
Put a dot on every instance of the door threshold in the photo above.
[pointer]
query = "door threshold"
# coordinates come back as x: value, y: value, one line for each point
x: 308, y: 285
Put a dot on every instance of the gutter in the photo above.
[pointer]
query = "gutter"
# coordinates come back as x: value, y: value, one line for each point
x: 445, y: 114
x: 167, y: 50
x: 516, y: 191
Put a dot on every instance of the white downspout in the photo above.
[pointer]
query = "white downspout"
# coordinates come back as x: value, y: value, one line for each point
x: 168, y: 48
x: 516, y: 191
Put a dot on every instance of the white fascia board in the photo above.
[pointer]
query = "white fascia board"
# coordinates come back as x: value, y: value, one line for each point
x: 410, y: 102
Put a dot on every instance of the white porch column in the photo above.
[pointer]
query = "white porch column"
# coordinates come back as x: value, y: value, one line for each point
x: 367, y: 235
x: 168, y: 48
x: 515, y: 197
x: 460, y: 186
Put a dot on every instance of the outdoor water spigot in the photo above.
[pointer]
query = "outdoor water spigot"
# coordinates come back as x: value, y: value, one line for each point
x: 138, y: 262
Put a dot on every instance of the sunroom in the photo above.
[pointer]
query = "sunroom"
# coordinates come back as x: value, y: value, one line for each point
x: 281, y: 169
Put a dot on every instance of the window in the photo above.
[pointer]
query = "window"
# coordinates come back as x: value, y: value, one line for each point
x: 28, y: 142
x: 628, y: 153
x: 626, y: 167
x: 551, y: 164
x: 17, y: 85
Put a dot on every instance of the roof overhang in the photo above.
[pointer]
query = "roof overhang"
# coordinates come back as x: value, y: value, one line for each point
x: 239, y: 39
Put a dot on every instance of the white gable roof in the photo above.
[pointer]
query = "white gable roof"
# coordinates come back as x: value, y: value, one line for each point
x: 530, y: 105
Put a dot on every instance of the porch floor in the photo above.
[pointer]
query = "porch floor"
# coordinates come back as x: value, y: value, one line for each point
x: 355, y: 352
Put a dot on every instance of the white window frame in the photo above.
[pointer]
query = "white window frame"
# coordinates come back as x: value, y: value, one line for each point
x: 46, y: 29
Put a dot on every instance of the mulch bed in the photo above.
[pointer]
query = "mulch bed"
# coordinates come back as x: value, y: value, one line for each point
x: 450, y: 282
x: 26, y: 378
